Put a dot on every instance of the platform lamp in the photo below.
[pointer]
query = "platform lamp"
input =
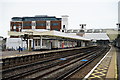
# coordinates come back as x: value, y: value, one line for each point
x: 82, y: 27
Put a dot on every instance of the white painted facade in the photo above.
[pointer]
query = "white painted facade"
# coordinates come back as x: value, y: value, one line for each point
x: 48, y: 25
x: 33, y: 25
x: 39, y: 40
x: 119, y: 12
x: 14, y: 43
x: 64, y: 25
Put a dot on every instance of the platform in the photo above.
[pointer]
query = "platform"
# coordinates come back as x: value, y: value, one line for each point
x: 106, y: 69
x: 118, y: 61
x: 10, y: 54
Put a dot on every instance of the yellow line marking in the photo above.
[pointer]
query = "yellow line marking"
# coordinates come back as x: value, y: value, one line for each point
x: 116, y: 76
x: 99, y: 64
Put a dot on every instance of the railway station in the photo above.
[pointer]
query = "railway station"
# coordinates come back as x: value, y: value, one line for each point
x: 51, y: 54
x: 62, y: 64
x: 52, y: 39
x: 57, y: 55
x: 42, y: 47
x: 54, y: 54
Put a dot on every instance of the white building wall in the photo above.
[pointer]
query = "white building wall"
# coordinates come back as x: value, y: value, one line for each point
x: 64, y: 22
x: 33, y: 25
x: 15, y: 43
x: 48, y: 25
x: 119, y: 12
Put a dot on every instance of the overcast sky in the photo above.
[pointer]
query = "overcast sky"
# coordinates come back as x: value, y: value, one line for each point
x: 94, y: 13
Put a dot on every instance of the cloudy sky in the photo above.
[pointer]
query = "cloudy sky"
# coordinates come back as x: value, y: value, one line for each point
x: 94, y: 13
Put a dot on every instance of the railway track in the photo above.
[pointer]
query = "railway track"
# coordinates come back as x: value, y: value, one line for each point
x: 69, y: 68
x: 72, y: 71
x: 48, y: 68
x: 28, y: 59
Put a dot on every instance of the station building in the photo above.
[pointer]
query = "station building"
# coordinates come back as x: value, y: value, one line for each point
x: 19, y: 24
x: 42, y: 32
x: 46, y: 39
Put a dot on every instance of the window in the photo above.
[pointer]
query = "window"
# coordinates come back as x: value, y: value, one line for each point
x: 17, y: 27
x: 37, y: 42
x: 14, y: 24
x: 63, y: 26
x: 26, y: 24
x: 40, y: 24
x: 55, y: 24
x: 81, y: 30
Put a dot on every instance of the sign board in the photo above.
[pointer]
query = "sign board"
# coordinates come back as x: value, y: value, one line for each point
x: 84, y: 60
x: 62, y: 59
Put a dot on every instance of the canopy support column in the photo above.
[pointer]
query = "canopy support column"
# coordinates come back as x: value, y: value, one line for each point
x: 40, y: 41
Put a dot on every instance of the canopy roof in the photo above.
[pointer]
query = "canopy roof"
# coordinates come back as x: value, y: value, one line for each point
x: 48, y: 33
x: 96, y: 36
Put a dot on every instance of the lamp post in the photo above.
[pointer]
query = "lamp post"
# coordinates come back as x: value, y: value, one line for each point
x: 27, y: 36
x: 30, y: 36
x: 118, y: 26
x: 82, y: 26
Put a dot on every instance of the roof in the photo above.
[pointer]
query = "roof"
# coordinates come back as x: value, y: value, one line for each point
x: 39, y: 30
x: 96, y: 36
x: 36, y: 18
x: 66, y: 35
x: 112, y: 34
x: 49, y: 33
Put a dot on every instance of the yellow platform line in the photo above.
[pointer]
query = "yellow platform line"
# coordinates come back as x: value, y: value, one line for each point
x: 116, y: 75
x: 112, y: 71
x: 86, y: 77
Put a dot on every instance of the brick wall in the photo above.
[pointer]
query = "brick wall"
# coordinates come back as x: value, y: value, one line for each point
x: 17, y: 25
